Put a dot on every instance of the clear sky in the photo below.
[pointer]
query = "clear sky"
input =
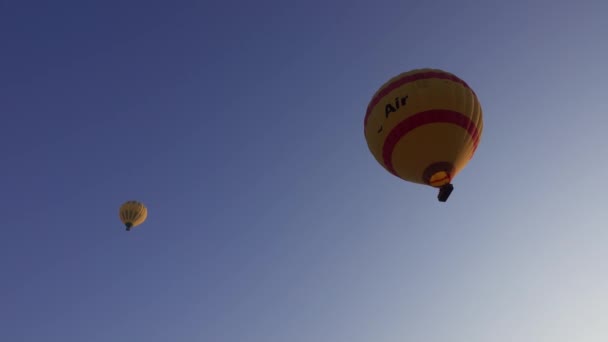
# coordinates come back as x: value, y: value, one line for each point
x: 240, y: 126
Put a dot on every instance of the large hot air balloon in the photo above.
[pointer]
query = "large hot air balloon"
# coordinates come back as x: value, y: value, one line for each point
x: 424, y: 126
x: 132, y: 214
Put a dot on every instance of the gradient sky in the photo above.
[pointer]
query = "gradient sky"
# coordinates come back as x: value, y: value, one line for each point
x: 240, y: 126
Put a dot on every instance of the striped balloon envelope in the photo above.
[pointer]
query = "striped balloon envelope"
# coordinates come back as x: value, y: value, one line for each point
x: 132, y: 214
x: 424, y: 126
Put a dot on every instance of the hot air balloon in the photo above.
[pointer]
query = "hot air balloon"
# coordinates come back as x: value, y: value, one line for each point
x: 132, y: 214
x: 424, y: 126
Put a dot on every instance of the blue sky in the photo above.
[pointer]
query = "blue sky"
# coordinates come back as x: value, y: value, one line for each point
x: 239, y: 125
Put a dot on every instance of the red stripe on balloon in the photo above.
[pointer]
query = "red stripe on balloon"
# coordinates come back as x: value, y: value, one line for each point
x: 408, y: 79
x: 421, y: 119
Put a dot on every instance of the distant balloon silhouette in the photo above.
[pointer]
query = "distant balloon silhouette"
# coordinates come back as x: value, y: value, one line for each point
x: 132, y: 214
x: 424, y: 126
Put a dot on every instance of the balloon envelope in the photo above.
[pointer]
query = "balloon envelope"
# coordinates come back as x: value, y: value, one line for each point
x: 424, y: 126
x: 132, y: 214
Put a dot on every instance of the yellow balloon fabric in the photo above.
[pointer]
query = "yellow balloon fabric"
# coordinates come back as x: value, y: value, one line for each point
x: 132, y: 214
x: 423, y: 126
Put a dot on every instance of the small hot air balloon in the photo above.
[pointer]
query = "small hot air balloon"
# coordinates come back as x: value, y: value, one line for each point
x: 132, y: 214
x: 424, y: 126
